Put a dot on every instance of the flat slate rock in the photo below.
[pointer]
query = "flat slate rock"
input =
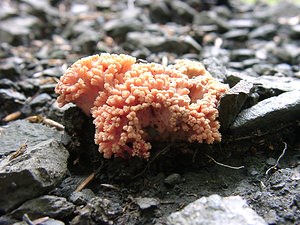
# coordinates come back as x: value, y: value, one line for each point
x: 46, y: 205
x: 41, y: 165
x: 232, y: 210
x: 269, y: 113
x: 18, y: 132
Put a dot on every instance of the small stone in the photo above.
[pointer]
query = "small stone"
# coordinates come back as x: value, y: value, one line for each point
x: 242, y: 23
x: 242, y: 54
x: 240, y: 34
x: 278, y: 186
x: 40, y: 100
x: 118, y: 28
x: 265, y: 31
x: 146, y: 203
x: 216, y: 210
x: 172, y: 179
x: 215, y: 68
x: 82, y: 197
x: 46, y: 205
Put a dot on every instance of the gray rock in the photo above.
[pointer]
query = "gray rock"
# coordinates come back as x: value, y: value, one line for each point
x: 269, y: 113
x: 160, y: 12
x: 99, y: 209
x: 287, y: 53
x: 242, y: 54
x: 157, y: 43
x: 18, y: 132
x: 182, y: 12
x: 266, y: 31
x: 237, y: 34
x: 82, y: 197
x: 13, y: 29
x: 232, y: 102
x: 214, y: 209
x: 146, y: 203
x: 118, y: 28
x: 281, y: 84
x: 46, y: 205
x: 39, y: 168
x: 242, y: 23
x: 172, y: 179
x: 40, y: 99
x: 215, y: 68
x: 10, y: 68
x: 10, y: 101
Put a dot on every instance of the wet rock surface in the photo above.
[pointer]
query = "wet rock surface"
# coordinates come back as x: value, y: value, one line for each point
x: 253, y: 48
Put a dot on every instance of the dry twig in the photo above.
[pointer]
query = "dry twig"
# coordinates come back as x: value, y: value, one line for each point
x: 277, y: 162
x: 12, y: 116
x: 224, y: 165
x: 46, y: 121
x: 85, y: 182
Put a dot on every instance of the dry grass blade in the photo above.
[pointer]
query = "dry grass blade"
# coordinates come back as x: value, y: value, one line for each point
x: 277, y: 162
x: 85, y: 182
x: 224, y: 165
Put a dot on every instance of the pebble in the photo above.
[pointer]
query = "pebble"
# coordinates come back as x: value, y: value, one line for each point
x: 173, y: 179
x: 146, y: 203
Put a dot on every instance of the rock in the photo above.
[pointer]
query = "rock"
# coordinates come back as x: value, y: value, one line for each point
x: 288, y: 53
x: 18, y: 132
x: 172, y: 179
x: 39, y: 168
x: 232, y: 210
x: 279, y: 84
x: 237, y: 34
x: 10, y: 68
x: 242, y: 54
x: 10, y: 101
x: 215, y: 68
x: 46, y: 205
x: 82, y: 197
x: 269, y: 113
x: 118, y: 28
x: 182, y: 12
x: 157, y: 43
x: 160, y: 12
x: 232, y: 102
x: 146, y: 203
x: 242, y: 23
x: 265, y: 31
x: 101, y: 210
x: 13, y: 29
x: 40, y: 100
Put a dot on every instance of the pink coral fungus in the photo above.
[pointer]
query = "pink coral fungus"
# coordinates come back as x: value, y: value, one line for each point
x: 135, y: 103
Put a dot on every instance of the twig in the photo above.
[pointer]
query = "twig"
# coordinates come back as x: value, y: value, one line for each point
x: 85, y: 182
x: 45, y: 120
x: 277, y: 162
x: 12, y: 116
x: 224, y: 165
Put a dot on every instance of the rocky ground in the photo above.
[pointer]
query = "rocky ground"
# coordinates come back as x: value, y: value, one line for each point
x: 50, y: 170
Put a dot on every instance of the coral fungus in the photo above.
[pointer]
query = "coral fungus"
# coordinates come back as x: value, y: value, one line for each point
x: 135, y: 103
